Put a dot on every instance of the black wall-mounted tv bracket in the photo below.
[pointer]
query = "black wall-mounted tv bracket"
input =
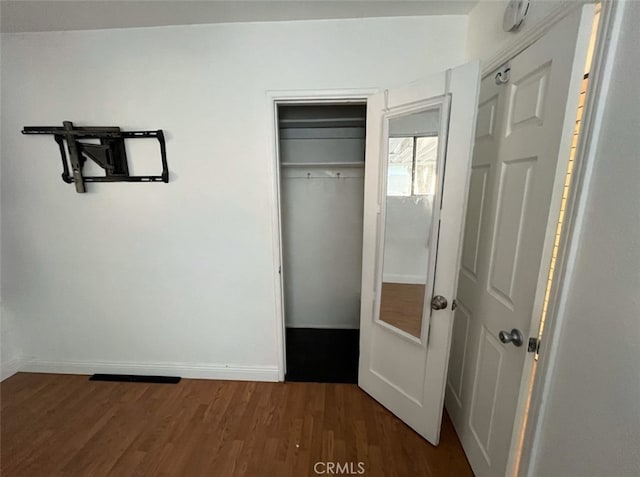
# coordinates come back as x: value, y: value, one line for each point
x: 110, y: 154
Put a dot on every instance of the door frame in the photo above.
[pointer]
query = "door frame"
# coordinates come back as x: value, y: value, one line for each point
x: 530, y: 411
x: 274, y: 99
x: 600, y: 78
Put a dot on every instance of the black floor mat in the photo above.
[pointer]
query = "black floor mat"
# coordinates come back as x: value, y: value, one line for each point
x: 135, y: 378
x: 322, y: 355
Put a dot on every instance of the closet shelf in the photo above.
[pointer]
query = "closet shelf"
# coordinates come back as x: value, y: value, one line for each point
x: 322, y: 164
x: 322, y: 122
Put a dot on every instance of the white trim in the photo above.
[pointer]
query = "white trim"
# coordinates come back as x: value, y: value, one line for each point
x: 530, y: 36
x: 337, y: 96
x: 600, y: 78
x: 10, y: 367
x: 185, y: 370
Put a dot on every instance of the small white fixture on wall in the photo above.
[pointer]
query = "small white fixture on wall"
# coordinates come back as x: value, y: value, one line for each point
x: 514, y: 14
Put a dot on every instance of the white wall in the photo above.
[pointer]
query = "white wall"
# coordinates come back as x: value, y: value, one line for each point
x: 9, y: 347
x: 10, y: 352
x: 486, y: 37
x: 592, y: 422
x: 322, y: 213
x: 322, y: 240
x: 178, y: 276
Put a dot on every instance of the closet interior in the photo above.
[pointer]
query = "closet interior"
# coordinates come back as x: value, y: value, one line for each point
x: 321, y: 161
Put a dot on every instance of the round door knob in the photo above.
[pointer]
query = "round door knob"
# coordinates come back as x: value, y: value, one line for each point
x: 514, y: 336
x: 439, y: 302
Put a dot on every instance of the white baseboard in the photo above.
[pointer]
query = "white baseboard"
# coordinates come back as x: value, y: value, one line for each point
x: 10, y: 367
x: 408, y: 279
x: 185, y: 370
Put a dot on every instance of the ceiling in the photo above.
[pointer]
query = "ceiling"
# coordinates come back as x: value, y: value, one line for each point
x: 56, y: 15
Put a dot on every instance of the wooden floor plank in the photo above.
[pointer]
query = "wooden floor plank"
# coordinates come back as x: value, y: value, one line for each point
x: 54, y: 425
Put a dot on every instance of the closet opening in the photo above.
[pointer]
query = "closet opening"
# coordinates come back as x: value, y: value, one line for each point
x: 321, y: 150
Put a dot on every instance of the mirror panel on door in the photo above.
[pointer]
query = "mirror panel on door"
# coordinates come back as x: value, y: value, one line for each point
x: 408, y: 247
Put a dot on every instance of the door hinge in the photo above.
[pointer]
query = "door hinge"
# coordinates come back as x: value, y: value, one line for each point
x: 534, y: 345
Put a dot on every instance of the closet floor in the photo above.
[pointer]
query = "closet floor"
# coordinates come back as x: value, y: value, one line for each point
x: 322, y: 355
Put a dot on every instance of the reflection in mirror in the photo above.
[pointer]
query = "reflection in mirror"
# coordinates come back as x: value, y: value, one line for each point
x: 411, y: 187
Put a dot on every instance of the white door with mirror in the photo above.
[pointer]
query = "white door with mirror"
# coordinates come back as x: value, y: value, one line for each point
x: 418, y: 156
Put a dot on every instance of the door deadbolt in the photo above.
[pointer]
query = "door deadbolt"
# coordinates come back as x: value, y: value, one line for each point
x: 439, y: 302
x: 514, y: 336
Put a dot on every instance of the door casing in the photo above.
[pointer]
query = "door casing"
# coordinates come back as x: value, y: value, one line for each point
x: 600, y: 79
x: 274, y: 99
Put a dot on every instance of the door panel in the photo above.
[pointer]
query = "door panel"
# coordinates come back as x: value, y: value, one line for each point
x: 514, y: 194
x: 527, y: 100
x: 385, y: 365
x: 473, y: 220
x: 486, y: 123
x: 486, y: 388
x: 459, y: 339
x: 404, y: 366
x: 518, y: 168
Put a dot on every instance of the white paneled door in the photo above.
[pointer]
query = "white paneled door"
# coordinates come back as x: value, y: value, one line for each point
x: 523, y: 137
x: 418, y: 152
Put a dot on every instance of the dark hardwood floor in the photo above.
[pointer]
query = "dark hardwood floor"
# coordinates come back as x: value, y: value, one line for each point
x: 53, y: 425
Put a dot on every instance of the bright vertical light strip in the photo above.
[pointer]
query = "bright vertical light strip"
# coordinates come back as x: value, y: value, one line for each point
x: 563, y: 206
x: 567, y: 184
